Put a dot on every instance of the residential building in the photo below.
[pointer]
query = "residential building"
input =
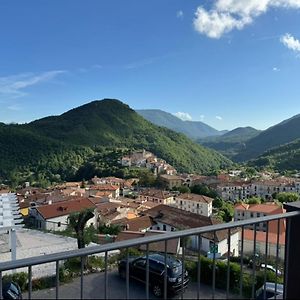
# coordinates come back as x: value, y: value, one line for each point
x: 55, y: 216
x: 194, y: 203
x: 244, y: 211
x: 168, y: 218
x: 171, y: 181
x: 156, y: 196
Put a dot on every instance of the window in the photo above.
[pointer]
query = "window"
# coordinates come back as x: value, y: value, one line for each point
x: 164, y: 227
x: 158, y: 228
x: 140, y: 263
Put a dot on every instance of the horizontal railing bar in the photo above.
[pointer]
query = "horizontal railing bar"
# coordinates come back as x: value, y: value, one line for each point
x: 37, y: 260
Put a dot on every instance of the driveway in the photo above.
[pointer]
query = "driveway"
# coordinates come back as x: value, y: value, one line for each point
x: 94, y: 289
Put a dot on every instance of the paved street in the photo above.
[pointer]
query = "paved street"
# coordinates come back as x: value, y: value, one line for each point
x: 94, y: 289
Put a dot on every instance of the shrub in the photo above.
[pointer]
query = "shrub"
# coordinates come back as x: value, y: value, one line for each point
x: 131, y: 252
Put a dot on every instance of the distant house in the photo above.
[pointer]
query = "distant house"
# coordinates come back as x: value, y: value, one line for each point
x: 55, y: 216
x: 169, y: 218
x: 113, y: 189
x: 171, y: 181
x: 126, y: 161
x: 194, y: 203
x: 156, y: 196
x: 244, y: 211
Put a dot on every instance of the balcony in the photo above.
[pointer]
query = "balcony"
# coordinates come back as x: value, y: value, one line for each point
x: 209, y: 277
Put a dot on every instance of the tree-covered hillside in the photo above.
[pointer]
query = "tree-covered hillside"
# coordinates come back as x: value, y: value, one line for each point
x: 61, y: 144
x: 230, y: 143
x: 28, y: 156
x: 286, y: 157
x: 275, y: 136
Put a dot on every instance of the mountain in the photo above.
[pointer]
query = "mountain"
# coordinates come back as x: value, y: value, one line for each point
x: 24, y: 152
x: 230, y: 143
x: 275, y: 136
x: 106, y: 123
x: 193, y: 129
x: 285, y: 157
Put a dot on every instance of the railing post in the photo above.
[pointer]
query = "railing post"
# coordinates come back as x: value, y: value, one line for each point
x: 292, y: 251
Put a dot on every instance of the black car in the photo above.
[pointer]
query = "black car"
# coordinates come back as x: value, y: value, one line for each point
x: 11, y: 290
x: 137, y: 270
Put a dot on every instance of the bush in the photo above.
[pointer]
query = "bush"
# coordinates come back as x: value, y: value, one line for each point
x: 131, y: 252
x: 44, y: 282
x: 206, y: 273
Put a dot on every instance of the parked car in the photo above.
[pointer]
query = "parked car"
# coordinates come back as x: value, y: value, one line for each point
x: 137, y: 271
x: 270, y: 291
x: 11, y: 290
x: 271, y: 268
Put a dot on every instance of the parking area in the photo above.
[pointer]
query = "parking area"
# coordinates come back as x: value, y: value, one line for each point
x: 94, y: 289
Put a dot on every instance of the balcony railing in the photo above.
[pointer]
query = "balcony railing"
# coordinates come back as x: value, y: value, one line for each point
x: 291, y: 267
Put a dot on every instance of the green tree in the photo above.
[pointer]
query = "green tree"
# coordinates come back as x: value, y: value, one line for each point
x: 254, y: 200
x: 77, y: 222
x: 287, y: 197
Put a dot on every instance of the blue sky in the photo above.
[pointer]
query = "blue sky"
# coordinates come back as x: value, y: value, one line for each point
x: 228, y: 63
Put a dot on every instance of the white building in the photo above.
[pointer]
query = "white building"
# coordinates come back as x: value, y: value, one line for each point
x: 168, y: 218
x: 194, y: 203
x: 156, y: 196
x: 55, y: 216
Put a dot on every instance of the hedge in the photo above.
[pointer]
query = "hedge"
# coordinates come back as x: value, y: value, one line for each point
x: 206, y: 272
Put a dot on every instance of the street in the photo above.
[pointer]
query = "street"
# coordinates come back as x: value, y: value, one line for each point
x: 94, y: 289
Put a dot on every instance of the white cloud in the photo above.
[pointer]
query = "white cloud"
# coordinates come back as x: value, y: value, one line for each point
x: 202, y: 117
x: 219, y: 118
x: 275, y: 69
x: 179, y: 14
x: 13, y: 85
x: 227, y: 15
x: 14, y: 107
x: 290, y: 42
x: 183, y: 116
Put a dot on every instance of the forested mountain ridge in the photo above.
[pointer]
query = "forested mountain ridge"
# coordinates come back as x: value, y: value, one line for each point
x: 230, y: 143
x: 282, y: 158
x: 106, y: 123
x: 285, y: 132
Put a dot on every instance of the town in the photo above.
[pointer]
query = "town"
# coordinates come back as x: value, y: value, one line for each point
x: 123, y: 209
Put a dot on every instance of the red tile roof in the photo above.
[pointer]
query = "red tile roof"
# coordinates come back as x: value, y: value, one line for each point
x: 195, y: 197
x: 261, y: 236
x: 64, y: 208
x: 140, y: 223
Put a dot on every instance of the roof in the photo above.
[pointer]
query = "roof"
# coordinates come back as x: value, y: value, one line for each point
x: 64, y: 208
x: 172, y: 245
x: 170, y: 177
x: 181, y: 219
x: 267, y: 208
x: 241, y: 206
x: 156, y: 193
x: 261, y: 236
x: 195, y: 197
x: 128, y: 235
x: 107, y: 208
x: 140, y: 223
x: 104, y: 187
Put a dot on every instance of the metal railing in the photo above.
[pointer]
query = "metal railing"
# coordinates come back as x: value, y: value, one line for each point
x: 182, y: 235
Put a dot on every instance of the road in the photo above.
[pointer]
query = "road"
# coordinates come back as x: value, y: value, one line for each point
x: 94, y: 289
